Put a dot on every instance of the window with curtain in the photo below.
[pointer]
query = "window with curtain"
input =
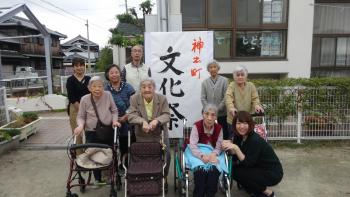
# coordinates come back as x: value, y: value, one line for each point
x: 343, y: 52
x: 219, y: 12
x: 248, y: 13
x: 331, y: 52
x: 332, y: 18
x: 331, y: 42
x: 327, y: 51
x: 193, y: 12
x: 256, y: 12
x: 274, y: 11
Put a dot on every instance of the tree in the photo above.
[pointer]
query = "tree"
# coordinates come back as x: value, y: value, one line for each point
x: 105, y: 59
x: 146, y: 7
x: 118, y: 38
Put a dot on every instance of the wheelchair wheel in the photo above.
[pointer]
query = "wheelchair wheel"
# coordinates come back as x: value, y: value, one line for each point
x: 225, y: 186
x: 176, y: 176
x: 186, y: 185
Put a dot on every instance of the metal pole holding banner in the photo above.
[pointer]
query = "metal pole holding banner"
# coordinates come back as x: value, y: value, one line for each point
x: 47, y: 42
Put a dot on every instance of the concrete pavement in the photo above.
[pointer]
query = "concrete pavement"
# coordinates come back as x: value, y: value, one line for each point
x: 40, y: 167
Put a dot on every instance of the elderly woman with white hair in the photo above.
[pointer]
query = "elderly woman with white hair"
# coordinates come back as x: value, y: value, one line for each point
x: 213, y: 91
x: 87, y: 117
x: 149, y: 114
x: 206, y: 132
x: 241, y: 95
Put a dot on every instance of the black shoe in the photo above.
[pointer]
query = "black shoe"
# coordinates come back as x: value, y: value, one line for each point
x: 166, y: 186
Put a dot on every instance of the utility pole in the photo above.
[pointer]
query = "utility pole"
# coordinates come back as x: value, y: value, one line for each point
x: 126, y: 6
x: 88, y: 44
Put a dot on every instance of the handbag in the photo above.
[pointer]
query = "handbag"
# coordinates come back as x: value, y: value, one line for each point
x: 104, y: 133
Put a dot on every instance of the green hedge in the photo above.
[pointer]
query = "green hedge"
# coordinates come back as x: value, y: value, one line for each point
x: 308, y: 82
x: 319, y: 99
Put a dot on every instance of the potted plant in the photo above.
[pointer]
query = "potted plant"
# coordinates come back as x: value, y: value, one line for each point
x: 9, y: 140
x: 25, y: 123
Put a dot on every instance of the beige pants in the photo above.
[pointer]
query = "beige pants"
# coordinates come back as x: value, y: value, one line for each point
x: 73, y: 124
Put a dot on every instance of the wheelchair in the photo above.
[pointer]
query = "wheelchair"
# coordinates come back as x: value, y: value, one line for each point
x: 182, y: 174
x: 145, y: 168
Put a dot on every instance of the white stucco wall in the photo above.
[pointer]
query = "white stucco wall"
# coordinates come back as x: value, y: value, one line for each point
x: 119, y: 55
x: 299, y: 46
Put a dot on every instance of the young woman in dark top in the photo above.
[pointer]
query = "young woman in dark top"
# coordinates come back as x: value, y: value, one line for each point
x: 77, y: 87
x: 256, y: 164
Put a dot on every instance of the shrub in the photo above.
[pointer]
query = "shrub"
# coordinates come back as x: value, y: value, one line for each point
x: 8, y: 134
x: 25, y: 118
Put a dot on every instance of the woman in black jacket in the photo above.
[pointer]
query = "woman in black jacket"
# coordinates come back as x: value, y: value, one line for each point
x: 256, y: 165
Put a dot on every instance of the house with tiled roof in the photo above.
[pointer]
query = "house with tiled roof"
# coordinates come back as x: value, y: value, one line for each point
x: 121, y: 55
x: 78, y: 47
x: 28, y: 51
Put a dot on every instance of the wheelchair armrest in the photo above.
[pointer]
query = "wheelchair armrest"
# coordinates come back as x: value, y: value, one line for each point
x: 88, y: 145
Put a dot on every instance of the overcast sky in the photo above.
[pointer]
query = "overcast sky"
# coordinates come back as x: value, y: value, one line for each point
x: 100, y: 13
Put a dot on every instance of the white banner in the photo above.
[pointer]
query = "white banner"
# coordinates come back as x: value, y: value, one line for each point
x: 178, y: 63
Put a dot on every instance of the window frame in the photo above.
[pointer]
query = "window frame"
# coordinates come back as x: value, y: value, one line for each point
x: 319, y: 52
x: 283, y: 27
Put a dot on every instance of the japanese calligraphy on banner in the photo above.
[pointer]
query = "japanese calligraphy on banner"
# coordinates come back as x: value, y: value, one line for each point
x: 178, y: 64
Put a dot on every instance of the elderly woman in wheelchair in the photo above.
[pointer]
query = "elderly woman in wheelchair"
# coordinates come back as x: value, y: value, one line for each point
x: 203, y: 155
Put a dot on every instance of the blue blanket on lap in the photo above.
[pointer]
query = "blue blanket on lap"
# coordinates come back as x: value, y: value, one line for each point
x: 193, y: 162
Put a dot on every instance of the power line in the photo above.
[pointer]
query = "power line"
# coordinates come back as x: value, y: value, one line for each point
x: 100, y: 28
x: 82, y: 19
x: 51, y: 10
x: 53, y: 5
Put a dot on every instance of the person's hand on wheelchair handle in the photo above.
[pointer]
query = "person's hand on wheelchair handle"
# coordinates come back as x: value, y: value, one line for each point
x: 115, y: 123
x: 78, y: 130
